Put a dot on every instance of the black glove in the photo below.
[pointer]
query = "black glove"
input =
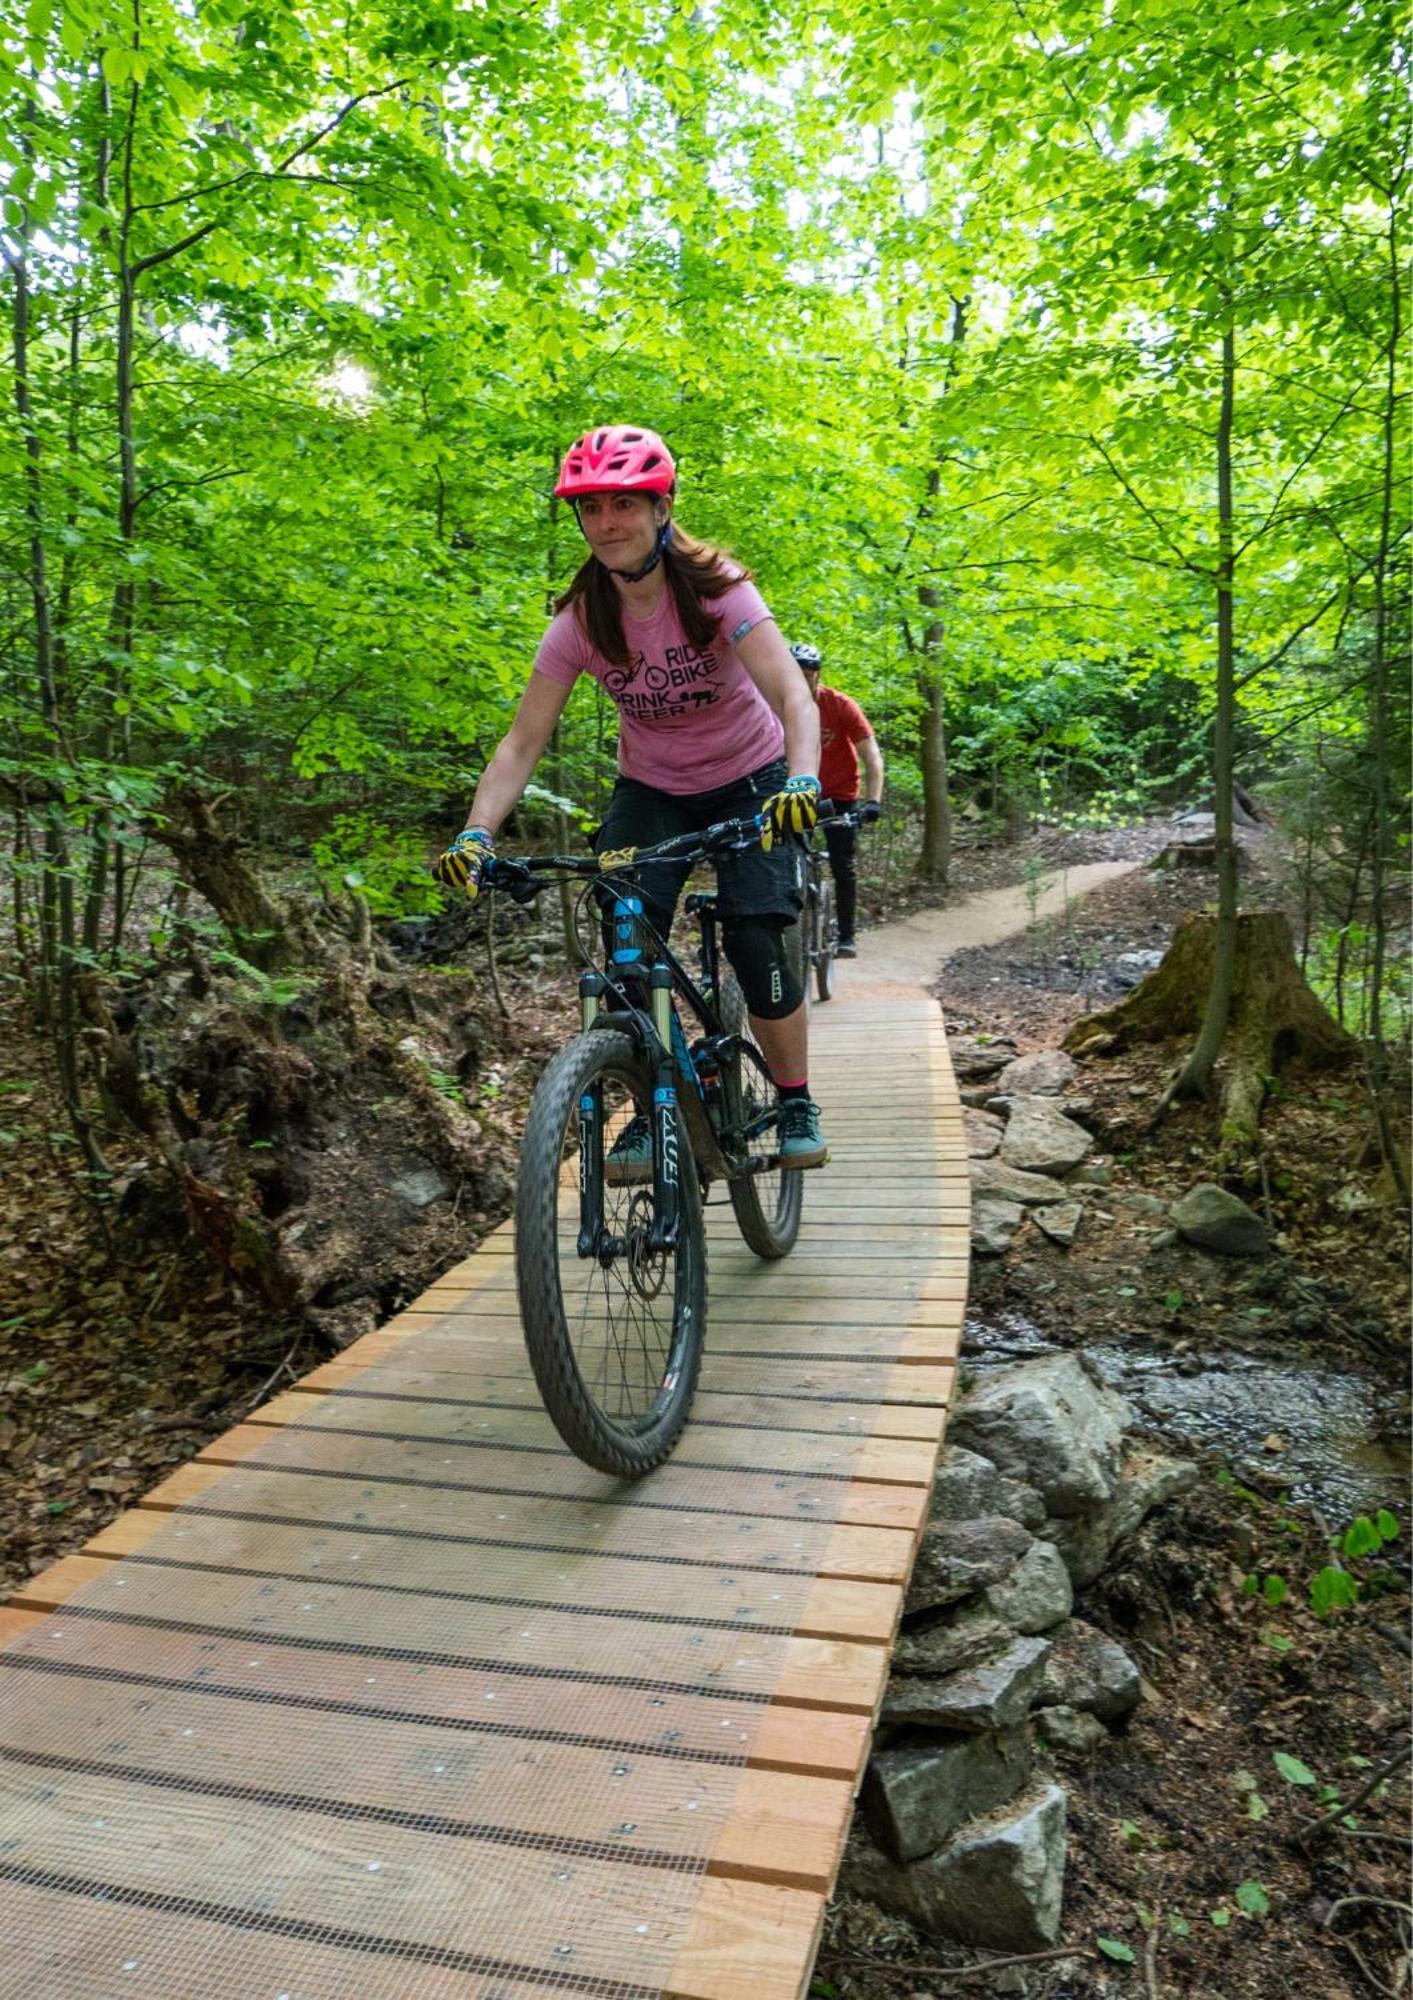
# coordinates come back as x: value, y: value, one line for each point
x: 869, y: 810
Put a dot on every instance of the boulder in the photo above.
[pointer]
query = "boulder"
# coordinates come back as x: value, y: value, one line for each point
x: 957, y: 1558
x: 1037, y: 1594
x: 1067, y: 1730
x: 999, y: 1882
x: 1040, y: 1139
x: 1146, y: 1479
x: 993, y: 1226
x: 916, y: 1794
x: 1132, y: 967
x: 983, y: 1133
x: 958, y: 1637
x: 965, y: 1485
x: 994, y: 1180
x: 1086, y: 1670
x: 1044, y: 1074
x: 1046, y: 1422
x: 1060, y: 1221
x: 996, y: 1693
x: 972, y: 1061
x: 1215, y: 1220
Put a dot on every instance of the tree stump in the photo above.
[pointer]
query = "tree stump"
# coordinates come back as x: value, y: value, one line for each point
x: 1275, y: 1019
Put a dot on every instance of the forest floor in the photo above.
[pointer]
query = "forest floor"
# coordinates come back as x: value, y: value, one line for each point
x: 1286, y: 1378
x: 120, y: 1358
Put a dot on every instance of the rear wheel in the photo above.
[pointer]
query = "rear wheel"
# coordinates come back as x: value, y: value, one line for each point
x: 826, y: 943
x: 615, y: 1335
x: 767, y: 1202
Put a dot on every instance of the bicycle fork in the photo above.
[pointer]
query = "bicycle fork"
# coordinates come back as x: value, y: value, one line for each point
x: 594, y: 1238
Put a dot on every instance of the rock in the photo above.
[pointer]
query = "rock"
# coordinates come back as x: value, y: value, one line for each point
x: 958, y: 1558
x: 1094, y: 1173
x: 983, y: 1133
x: 1069, y: 1731
x: 1045, y: 1422
x: 1060, y: 1222
x: 1146, y: 1479
x: 1037, y: 1595
x: 957, y: 1637
x: 1040, y: 1139
x: 965, y: 1485
x: 1087, y: 1670
x: 1215, y: 1220
x: 996, y: 1181
x: 994, y: 1225
x: 1140, y: 1203
x: 973, y: 1061
x: 1132, y: 967
x: 916, y: 1794
x: 1163, y: 1240
x: 1000, y: 1882
x: 975, y: 1096
x: 995, y: 1693
x: 1044, y: 1074
x: 421, y: 1187
x: 1020, y: 1502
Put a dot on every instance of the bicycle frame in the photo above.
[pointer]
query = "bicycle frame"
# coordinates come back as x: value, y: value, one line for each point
x: 642, y: 965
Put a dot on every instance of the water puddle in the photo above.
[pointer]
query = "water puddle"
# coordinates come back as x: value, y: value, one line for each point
x: 1344, y: 1434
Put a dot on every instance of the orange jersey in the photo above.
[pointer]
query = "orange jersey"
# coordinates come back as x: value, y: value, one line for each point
x: 842, y: 726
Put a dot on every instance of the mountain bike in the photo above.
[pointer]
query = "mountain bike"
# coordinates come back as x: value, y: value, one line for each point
x: 611, y: 1262
x: 819, y: 926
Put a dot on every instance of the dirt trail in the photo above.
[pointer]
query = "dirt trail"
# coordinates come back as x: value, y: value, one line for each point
x: 906, y: 954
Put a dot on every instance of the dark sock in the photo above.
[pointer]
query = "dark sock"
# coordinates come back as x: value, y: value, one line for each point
x: 785, y: 1091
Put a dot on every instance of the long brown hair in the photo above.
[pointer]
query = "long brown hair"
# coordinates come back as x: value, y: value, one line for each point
x: 696, y: 575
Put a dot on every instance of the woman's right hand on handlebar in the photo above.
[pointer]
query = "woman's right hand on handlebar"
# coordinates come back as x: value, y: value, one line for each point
x: 466, y: 861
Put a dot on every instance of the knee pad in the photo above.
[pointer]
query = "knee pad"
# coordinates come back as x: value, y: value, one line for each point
x: 756, y: 948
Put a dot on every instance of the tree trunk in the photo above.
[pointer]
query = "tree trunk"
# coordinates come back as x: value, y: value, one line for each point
x: 264, y: 929
x: 1195, y: 1077
x: 1273, y: 1017
x: 936, y: 861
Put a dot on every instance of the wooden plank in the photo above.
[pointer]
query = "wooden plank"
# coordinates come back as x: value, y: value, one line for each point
x: 747, y: 1940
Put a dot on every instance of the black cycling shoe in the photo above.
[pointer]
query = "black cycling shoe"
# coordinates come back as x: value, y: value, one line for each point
x: 846, y: 948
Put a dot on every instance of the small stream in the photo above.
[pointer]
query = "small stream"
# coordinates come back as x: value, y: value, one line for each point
x: 1345, y: 1433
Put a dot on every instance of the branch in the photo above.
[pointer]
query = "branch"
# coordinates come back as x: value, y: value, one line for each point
x: 206, y: 479
x: 194, y: 236
x: 1314, y: 1828
x: 1185, y: 561
x: 1284, y: 647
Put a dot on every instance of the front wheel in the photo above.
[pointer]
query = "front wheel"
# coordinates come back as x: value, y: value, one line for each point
x: 767, y: 1203
x: 613, y: 1323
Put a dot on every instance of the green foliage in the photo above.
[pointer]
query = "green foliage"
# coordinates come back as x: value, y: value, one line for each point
x: 1115, y: 1949
x: 1252, y: 1898
x: 1291, y: 1768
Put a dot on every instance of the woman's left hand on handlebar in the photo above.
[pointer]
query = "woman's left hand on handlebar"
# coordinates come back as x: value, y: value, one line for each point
x: 790, y: 813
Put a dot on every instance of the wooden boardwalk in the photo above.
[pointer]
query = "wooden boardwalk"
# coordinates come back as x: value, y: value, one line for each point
x: 386, y: 1697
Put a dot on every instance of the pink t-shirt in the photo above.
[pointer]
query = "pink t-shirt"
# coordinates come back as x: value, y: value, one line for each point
x: 689, y: 720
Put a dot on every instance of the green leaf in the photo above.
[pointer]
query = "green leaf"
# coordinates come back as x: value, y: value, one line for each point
x: 1256, y: 1807
x: 1115, y: 1949
x: 1361, y: 1537
x: 1252, y: 1898
x: 1387, y: 1524
x: 1333, y: 1589
x: 1179, y: 1926
x: 1221, y: 1917
x: 1273, y: 1589
x: 1173, y: 1300
x: 1292, y: 1770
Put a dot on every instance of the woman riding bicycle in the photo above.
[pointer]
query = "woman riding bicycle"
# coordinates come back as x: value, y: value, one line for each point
x: 715, y: 722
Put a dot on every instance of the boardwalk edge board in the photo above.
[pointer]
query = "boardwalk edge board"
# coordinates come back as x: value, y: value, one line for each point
x: 756, y: 1921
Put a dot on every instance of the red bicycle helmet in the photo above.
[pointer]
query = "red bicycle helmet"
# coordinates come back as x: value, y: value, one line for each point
x: 618, y: 458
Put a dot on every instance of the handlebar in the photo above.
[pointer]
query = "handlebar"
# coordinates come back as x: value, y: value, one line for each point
x: 515, y: 877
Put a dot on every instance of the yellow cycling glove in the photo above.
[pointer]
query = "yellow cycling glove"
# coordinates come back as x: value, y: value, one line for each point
x: 788, y: 814
x: 465, y: 861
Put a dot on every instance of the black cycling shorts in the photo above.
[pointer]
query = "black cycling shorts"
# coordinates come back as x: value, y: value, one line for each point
x: 750, y: 884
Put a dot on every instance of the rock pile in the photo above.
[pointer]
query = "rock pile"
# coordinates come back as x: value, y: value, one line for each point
x: 963, y: 1822
x: 1029, y: 1152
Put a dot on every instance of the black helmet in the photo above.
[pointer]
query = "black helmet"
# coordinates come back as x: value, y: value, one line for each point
x: 807, y: 658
